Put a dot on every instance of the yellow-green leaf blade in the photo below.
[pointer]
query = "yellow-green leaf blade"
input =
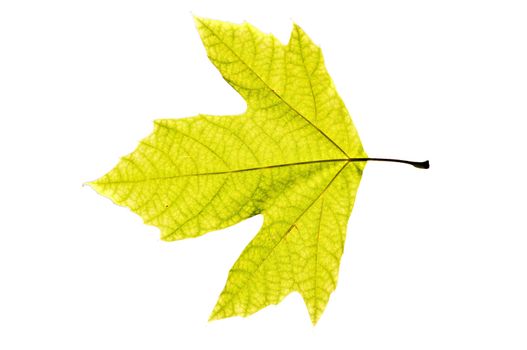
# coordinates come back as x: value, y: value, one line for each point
x: 287, y: 157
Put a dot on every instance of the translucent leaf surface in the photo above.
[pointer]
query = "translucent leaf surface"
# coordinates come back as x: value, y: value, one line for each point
x: 288, y: 157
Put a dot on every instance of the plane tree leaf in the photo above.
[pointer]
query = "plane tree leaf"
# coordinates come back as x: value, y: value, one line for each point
x: 294, y: 156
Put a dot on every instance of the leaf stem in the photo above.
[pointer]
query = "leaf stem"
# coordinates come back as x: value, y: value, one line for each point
x: 420, y: 165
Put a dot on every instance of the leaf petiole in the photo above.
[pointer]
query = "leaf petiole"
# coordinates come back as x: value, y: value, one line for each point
x: 420, y: 165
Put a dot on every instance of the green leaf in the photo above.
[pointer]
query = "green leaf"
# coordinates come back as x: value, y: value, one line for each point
x: 290, y: 156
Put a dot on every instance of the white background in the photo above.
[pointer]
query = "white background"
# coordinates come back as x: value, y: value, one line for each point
x: 434, y: 259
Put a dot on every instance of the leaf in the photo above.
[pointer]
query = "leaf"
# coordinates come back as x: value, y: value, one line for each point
x: 291, y: 157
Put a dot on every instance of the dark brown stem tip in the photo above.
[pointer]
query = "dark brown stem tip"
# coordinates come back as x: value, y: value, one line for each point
x: 422, y: 165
